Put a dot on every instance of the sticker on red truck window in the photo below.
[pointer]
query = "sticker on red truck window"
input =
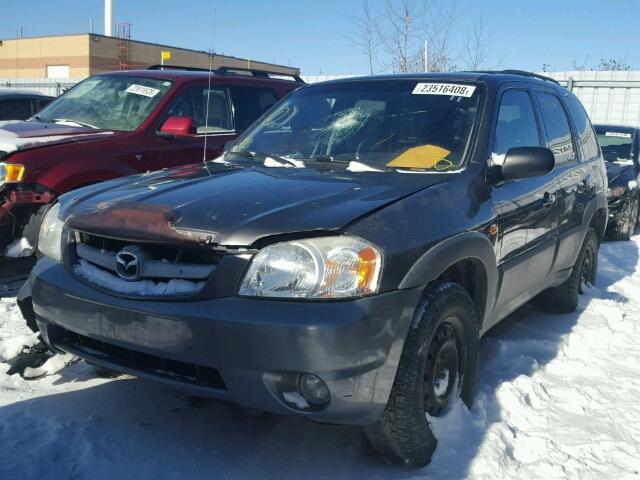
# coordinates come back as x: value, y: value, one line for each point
x: 617, y: 134
x: 450, y: 89
x: 142, y: 90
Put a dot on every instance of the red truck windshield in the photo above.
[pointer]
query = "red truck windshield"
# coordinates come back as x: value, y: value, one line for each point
x: 107, y: 102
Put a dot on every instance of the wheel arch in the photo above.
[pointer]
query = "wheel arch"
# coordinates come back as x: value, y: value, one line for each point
x: 596, y: 215
x: 467, y: 259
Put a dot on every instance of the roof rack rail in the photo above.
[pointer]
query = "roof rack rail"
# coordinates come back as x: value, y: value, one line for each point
x: 257, y: 73
x: 231, y: 71
x: 177, y: 67
x: 524, y: 73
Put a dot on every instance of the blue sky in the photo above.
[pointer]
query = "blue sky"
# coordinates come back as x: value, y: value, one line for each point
x: 314, y: 35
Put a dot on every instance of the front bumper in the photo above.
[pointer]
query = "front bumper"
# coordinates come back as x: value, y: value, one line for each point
x: 250, y: 350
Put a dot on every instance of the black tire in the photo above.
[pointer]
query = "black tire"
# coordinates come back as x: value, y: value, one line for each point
x: 446, y: 316
x: 624, y: 226
x: 564, y: 297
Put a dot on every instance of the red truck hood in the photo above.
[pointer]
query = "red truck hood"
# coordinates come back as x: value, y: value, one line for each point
x: 19, y: 135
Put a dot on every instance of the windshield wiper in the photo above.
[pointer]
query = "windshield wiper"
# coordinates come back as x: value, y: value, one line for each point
x: 264, y: 156
x: 351, y: 163
x: 68, y: 120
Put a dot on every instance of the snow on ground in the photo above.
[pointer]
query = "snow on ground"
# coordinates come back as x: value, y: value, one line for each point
x: 558, y: 397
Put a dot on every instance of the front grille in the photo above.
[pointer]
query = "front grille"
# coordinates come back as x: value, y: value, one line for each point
x: 169, y: 253
x: 159, y: 270
x: 188, y: 373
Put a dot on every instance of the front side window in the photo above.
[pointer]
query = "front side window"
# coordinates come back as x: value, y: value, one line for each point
x: 192, y: 102
x: 516, y: 125
x: 391, y: 124
x: 616, y: 144
x: 556, y: 125
x: 107, y: 102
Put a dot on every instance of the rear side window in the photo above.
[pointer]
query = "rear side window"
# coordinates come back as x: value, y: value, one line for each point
x: 516, y: 126
x: 15, y: 109
x: 40, y: 103
x: 586, y: 135
x: 250, y: 103
x: 556, y: 124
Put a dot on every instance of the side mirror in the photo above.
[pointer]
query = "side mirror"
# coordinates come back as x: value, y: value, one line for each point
x: 523, y: 162
x: 177, y: 127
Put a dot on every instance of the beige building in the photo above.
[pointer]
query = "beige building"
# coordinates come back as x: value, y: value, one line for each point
x: 81, y: 55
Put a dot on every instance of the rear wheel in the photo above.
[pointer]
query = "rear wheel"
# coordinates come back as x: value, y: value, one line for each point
x: 438, y: 364
x: 625, y: 224
x: 564, y: 297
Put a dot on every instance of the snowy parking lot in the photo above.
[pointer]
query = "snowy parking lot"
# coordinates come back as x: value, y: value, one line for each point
x: 558, y: 397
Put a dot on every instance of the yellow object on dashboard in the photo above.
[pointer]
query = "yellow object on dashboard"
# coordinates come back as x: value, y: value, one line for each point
x: 424, y: 156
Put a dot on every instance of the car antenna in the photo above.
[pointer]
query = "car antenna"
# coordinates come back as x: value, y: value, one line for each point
x: 206, y: 114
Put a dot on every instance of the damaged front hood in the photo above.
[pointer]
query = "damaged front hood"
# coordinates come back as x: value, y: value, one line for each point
x: 230, y: 205
x: 19, y: 134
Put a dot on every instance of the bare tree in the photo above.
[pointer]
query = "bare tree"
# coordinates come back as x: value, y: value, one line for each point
x: 418, y: 35
x: 478, y: 46
x: 439, y: 25
x: 611, y: 64
x: 365, y: 35
x: 400, y: 32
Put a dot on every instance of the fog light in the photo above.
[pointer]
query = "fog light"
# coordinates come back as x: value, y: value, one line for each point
x: 313, y: 389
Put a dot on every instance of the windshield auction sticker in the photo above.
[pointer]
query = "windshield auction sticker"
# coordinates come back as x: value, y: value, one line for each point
x: 142, y: 90
x: 450, y: 89
x: 617, y: 134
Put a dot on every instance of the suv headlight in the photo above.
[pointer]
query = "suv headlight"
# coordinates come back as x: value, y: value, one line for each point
x: 11, y: 172
x: 50, y: 239
x: 323, y: 267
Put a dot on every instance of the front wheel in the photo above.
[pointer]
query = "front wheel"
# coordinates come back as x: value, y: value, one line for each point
x: 438, y: 365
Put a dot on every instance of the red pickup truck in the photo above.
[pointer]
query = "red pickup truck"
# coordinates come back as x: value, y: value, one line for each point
x: 117, y: 124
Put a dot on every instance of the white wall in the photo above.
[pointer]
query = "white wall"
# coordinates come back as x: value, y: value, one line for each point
x: 609, y: 97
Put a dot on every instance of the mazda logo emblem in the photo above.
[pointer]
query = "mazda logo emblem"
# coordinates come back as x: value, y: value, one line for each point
x: 129, y: 263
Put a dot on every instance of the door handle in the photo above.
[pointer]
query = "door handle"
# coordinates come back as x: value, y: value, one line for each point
x: 139, y: 156
x: 548, y: 200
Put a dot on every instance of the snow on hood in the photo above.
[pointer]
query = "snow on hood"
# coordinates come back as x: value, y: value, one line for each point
x: 19, y: 134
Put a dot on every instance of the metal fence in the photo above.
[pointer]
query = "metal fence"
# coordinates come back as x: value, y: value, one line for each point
x: 46, y: 86
x: 609, y: 97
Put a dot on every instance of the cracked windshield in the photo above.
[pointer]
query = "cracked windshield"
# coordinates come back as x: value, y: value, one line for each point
x: 109, y: 103
x: 375, y: 125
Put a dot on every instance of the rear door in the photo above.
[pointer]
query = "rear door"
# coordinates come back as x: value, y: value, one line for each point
x: 577, y: 182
